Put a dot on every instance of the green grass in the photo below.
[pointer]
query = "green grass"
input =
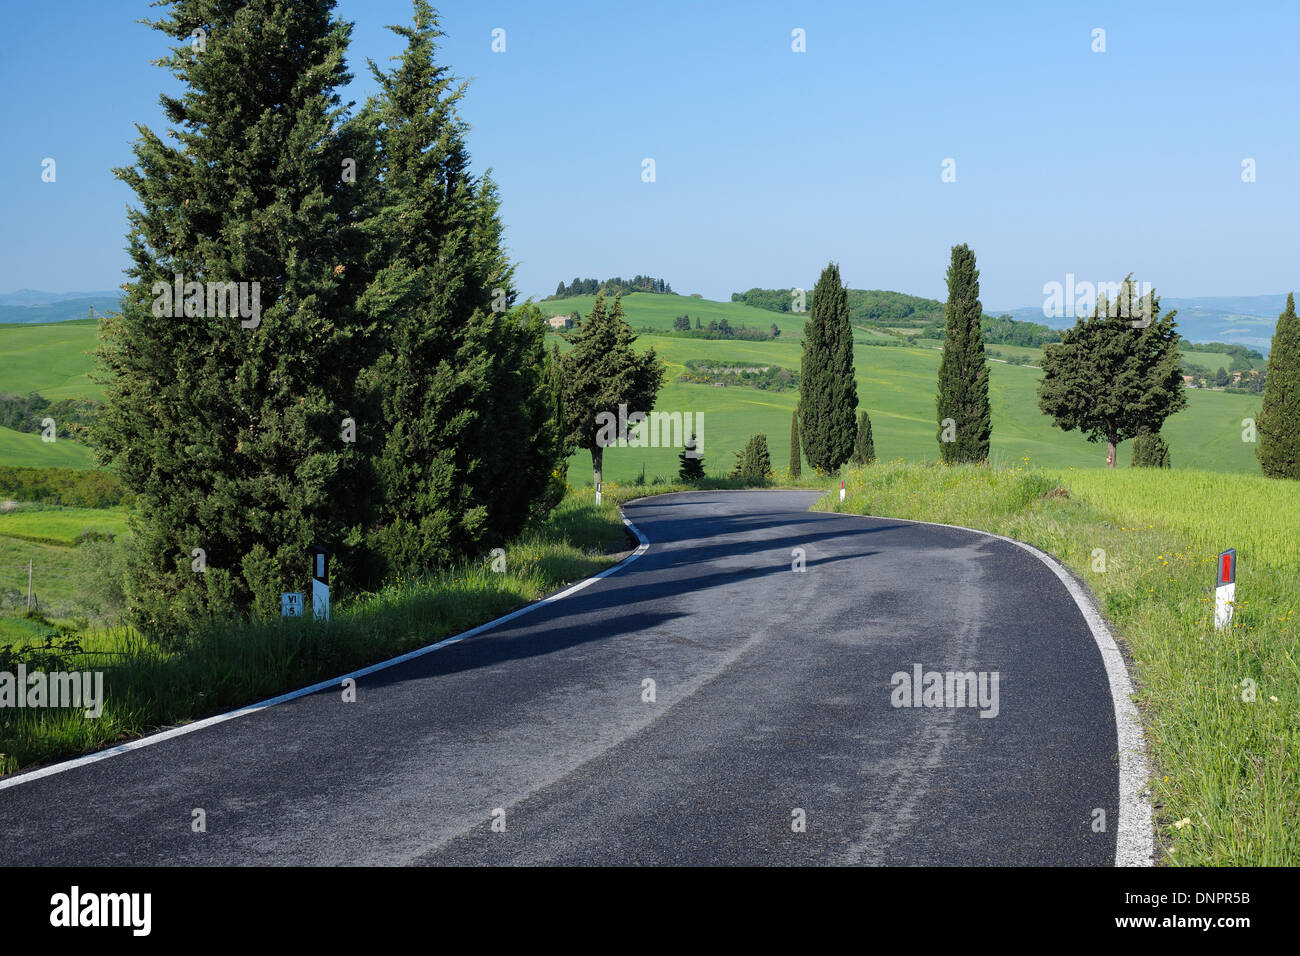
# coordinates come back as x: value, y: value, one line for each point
x: 897, y: 387
x: 656, y: 311
x: 51, y: 358
x: 1228, y: 767
x: 69, y: 583
x: 51, y: 524
x: 28, y: 450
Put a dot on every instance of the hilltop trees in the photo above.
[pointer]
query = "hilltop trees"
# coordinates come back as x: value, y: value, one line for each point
x: 1110, y: 376
x: 601, y: 372
x: 828, y: 393
x: 864, y: 448
x: 227, y: 422
x: 963, y: 399
x: 1279, y: 418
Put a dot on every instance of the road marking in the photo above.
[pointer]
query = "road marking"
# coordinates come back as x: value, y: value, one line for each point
x: 18, y: 779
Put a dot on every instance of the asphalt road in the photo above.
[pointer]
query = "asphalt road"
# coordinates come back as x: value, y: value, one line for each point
x: 772, y: 695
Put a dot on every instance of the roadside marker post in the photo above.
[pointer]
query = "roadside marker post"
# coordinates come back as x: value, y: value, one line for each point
x: 290, y: 604
x: 320, y: 583
x: 598, y: 494
x: 1225, y: 588
x: 841, y: 491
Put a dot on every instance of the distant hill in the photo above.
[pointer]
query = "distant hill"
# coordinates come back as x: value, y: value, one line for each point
x: 1239, y: 320
x: 31, y: 305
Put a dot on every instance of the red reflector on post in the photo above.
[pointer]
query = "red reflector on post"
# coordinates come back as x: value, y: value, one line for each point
x: 1228, y: 567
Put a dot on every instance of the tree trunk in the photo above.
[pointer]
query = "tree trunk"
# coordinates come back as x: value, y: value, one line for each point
x: 597, y: 454
x: 1110, y: 454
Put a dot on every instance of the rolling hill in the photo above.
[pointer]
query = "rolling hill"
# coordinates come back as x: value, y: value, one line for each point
x: 896, y: 384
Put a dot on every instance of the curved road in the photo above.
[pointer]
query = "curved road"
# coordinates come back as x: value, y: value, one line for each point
x: 772, y: 695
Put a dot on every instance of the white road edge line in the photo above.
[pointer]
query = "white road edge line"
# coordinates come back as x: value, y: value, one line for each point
x: 1135, y: 836
x: 19, y: 779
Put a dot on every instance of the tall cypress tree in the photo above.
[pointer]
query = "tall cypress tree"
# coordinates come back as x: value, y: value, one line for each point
x: 1279, y: 419
x: 231, y: 429
x: 864, y: 447
x: 466, y: 453
x: 828, y: 394
x: 796, y: 466
x: 963, y: 398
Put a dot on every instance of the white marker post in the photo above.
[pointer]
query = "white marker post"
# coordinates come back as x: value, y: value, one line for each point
x: 320, y: 583
x: 841, y: 491
x: 598, y: 494
x: 1225, y: 588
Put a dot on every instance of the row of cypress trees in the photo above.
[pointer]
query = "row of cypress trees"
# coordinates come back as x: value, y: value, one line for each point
x: 823, y: 423
x: 389, y: 401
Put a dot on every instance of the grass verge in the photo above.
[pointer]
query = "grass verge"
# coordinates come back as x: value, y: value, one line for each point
x: 232, y: 664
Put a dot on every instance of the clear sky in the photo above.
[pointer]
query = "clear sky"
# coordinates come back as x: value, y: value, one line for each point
x: 768, y: 162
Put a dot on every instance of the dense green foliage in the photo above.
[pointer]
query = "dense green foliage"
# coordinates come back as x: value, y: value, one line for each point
x: 874, y: 306
x: 1278, y: 446
x: 602, y: 371
x: 719, y: 329
x: 753, y: 462
x: 1150, y: 451
x: 230, y: 434
x: 718, y: 372
x: 828, y: 393
x: 964, y: 413
x: 382, y: 401
x: 864, y: 446
x: 26, y: 413
x: 1110, y: 377
x: 612, y: 286
x: 62, y: 486
x: 466, y: 449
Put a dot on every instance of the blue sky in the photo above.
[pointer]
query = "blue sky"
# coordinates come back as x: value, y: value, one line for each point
x: 769, y: 163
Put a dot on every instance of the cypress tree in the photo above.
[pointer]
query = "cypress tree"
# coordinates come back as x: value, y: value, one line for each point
x: 1278, y: 445
x: 828, y: 394
x: 753, y: 462
x: 467, y: 453
x: 963, y: 398
x: 1149, y: 450
x: 796, y: 467
x: 601, y: 372
x: 864, y: 448
x: 230, y: 425
x: 690, y: 468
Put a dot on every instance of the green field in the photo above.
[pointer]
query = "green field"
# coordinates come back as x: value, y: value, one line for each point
x: 54, y: 359
x: 897, y: 387
x: 30, y: 451
x: 895, y: 384
x: 51, y: 524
